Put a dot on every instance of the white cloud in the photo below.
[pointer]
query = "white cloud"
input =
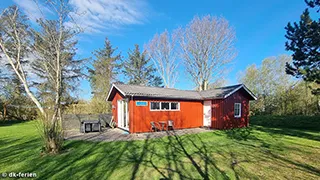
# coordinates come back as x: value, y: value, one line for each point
x: 33, y: 9
x: 94, y: 16
x: 105, y: 15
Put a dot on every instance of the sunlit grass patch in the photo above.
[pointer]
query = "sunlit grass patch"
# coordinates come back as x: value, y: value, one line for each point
x: 256, y: 152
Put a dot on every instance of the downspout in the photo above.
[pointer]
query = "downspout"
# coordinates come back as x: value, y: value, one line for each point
x: 131, y: 119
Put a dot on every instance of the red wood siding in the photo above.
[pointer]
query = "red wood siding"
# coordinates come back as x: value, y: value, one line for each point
x: 114, y: 103
x: 189, y: 116
x: 131, y: 115
x: 217, y: 114
x: 229, y: 121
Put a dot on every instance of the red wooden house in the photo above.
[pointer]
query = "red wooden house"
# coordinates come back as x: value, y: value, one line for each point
x: 134, y: 107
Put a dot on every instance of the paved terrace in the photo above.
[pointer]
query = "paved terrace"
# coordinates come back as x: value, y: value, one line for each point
x: 116, y: 134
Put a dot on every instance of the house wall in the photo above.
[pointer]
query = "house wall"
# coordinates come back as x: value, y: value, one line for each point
x: 131, y: 115
x: 114, y: 103
x: 227, y: 119
x: 217, y: 113
x: 189, y: 116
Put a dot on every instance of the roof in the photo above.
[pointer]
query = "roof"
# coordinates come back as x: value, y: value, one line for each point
x: 220, y: 92
x: 171, y: 93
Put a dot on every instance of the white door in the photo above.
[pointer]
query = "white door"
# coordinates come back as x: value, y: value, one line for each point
x: 207, y: 113
x: 123, y: 118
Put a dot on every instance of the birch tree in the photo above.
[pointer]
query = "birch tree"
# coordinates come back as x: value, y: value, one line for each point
x: 15, y: 44
x: 17, y: 39
x: 163, y: 51
x: 55, y: 47
x: 207, y: 48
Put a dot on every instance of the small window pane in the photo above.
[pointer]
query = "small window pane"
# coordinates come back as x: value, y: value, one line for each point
x: 164, y: 106
x: 237, y: 110
x: 155, y: 105
x: 174, y: 106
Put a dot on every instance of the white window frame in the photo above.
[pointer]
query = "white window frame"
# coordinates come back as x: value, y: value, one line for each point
x: 164, y: 109
x: 169, y: 106
x: 234, y: 110
x: 155, y: 109
x: 175, y: 109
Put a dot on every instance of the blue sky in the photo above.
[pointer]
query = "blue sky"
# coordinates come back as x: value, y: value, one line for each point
x: 259, y: 26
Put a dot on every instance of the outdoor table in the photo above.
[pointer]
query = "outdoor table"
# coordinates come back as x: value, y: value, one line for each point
x: 162, y: 123
x: 94, y: 125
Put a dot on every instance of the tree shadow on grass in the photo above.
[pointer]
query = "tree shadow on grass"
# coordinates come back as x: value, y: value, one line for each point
x: 15, y: 150
x: 205, y: 153
x: 246, y: 133
x: 291, y: 132
x: 172, y: 157
x: 166, y: 157
x: 83, y: 159
x: 240, y: 133
x: 271, y: 151
x: 177, y: 157
x: 305, y: 167
x: 48, y: 166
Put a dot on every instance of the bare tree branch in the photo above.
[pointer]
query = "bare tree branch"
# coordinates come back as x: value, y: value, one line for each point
x: 207, y: 45
x: 163, y: 52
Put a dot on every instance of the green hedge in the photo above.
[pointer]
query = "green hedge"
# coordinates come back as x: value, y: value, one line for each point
x: 295, y: 122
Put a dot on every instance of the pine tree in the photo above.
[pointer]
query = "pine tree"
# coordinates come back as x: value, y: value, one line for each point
x: 138, y: 69
x: 304, y: 41
x: 313, y: 4
x: 104, y: 72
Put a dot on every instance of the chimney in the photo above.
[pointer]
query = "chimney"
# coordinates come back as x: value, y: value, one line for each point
x: 204, y: 85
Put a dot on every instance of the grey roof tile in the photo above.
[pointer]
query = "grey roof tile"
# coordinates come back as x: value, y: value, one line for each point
x: 144, y: 91
x: 218, y: 92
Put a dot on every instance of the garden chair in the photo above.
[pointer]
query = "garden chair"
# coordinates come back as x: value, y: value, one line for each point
x: 112, y: 123
x: 155, y: 126
x: 170, y: 125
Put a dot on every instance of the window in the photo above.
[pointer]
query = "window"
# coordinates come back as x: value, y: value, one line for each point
x: 155, y: 106
x: 237, y: 110
x: 174, y: 106
x: 164, y: 106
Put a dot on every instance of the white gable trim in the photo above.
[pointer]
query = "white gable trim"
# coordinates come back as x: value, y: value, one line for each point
x: 245, y: 88
x: 114, y: 86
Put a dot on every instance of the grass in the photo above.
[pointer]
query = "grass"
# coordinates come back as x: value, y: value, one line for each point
x: 263, y: 151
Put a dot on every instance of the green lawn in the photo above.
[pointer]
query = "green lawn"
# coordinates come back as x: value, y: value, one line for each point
x: 258, y: 152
